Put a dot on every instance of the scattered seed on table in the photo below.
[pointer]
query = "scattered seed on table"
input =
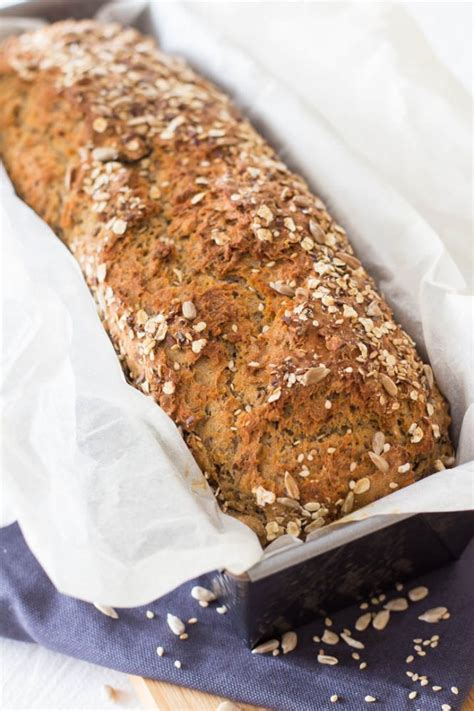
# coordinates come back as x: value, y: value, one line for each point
x: 275, y: 653
x: 150, y: 614
x: 364, y: 605
x: 435, y: 614
x: 160, y: 651
x: 363, y: 622
x: 409, y: 659
x: 351, y: 641
x: 445, y: 707
x: 184, y: 635
x: 192, y: 620
x: 328, y: 622
x: 266, y: 647
x: 106, y: 610
x: 455, y: 690
x: 202, y: 594
x: 289, y: 641
x: 334, y: 698
x: 175, y: 624
x: 203, y: 603
x: 437, y: 688
x: 327, y: 659
x: 355, y: 655
x: 177, y: 664
x: 363, y: 665
x: 381, y: 620
x: 330, y: 637
x: 412, y: 694
x: 398, y: 604
x: 370, y: 699
x: 419, y: 593
x: 221, y: 610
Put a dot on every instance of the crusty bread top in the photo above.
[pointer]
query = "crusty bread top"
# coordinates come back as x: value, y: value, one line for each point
x: 231, y: 294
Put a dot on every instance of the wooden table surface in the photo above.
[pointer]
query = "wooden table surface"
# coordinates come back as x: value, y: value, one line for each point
x: 167, y: 697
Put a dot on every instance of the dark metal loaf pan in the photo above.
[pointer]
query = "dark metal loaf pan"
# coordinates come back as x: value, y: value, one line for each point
x: 343, y: 566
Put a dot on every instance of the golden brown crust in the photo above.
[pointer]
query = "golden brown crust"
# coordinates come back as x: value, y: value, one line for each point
x: 231, y: 295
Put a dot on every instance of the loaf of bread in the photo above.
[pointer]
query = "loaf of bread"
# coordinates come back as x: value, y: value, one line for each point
x: 231, y: 295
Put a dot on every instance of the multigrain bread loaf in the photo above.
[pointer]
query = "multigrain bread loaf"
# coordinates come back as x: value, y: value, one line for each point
x: 232, y: 296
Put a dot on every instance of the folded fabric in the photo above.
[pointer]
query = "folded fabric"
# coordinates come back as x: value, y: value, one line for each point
x: 215, y: 660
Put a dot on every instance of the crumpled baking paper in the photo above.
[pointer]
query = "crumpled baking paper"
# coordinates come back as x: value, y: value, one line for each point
x: 107, y: 495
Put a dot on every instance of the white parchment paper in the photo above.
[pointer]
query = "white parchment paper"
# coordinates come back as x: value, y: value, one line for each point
x: 108, y: 496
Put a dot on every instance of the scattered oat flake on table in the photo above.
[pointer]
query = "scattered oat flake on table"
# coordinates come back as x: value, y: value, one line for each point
x: 106, y: 610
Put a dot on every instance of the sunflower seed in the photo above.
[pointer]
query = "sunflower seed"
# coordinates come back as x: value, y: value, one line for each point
x: 429, y: 375
x: 316, y: 231
x: 363, y: 622
x: 380, y: 462
x: 281, y: 288
x: 314, y: 375
x: 348, y: 503
x: 381, y: 619
x: 327, y: 659
x: 106, y: 610
x: 362, y: 485
x: 388, y: 384
x: 352, y: 642
x: 104, y: 153
x: 419, y: 593
x: 378, y: 442
x: 188, y: 310
x: 330, y: 637
x: 398, y: 604
x: 288, y: 642
x: 200, y: 593
x: 197, y: 198
x: 266, y: 647
x: 291, y: 486
x: 176, y: 625
x: 434, y: 615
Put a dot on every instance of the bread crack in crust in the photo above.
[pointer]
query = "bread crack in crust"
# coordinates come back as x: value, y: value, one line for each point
x: 231, y: 295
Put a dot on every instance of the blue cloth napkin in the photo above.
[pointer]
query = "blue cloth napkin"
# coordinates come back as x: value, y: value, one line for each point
x: 215, y: 660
